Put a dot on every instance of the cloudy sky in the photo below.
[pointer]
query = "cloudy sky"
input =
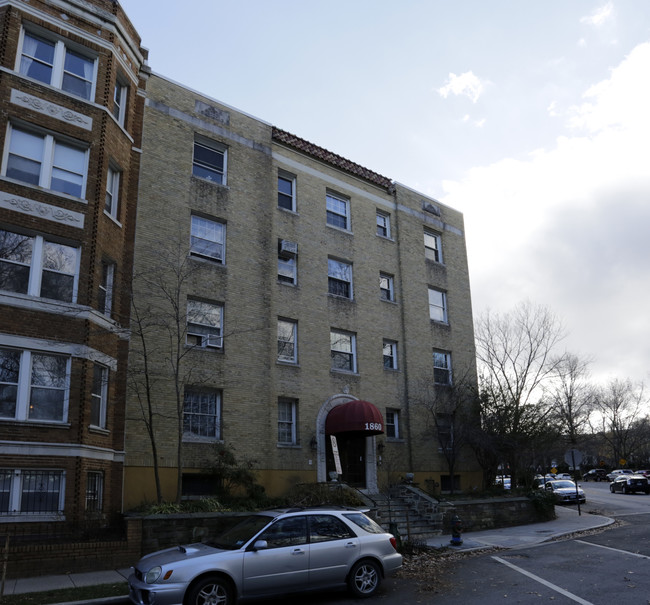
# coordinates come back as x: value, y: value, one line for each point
x: 532, y: 118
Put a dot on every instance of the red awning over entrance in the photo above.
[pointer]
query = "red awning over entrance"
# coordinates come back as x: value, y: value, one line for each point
x: 355, y: 417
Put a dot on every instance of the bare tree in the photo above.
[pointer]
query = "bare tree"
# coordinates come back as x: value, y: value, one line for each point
x: 160, y: 344
x: 619, y: 410
x: 517, y: 359
x: 452, y: 412
x: 572, y: 396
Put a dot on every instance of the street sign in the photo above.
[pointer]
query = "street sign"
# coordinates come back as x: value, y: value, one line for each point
x: 573, y: 458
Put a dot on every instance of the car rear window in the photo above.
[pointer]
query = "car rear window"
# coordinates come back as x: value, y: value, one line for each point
x: 365, y: 523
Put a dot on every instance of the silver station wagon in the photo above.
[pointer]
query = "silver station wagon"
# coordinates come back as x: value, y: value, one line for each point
x: 271, y: 553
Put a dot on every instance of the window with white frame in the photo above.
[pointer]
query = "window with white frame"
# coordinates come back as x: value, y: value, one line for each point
x: 392, y: 423
x: 338, y: 212
x: 94, y: 491
x: 120, y: 93
x: 34, y: 386
x: 209, y: 161
x: 287, y: 421
x: 204, y: 324
x: 31, y: 492
x: 105, y: 289
x: 343, y: 351
x: 286, y: 191
x: 432, y: 246
x: 202, y: 414
x: 287, y: 269
x: 112, y: 201
x: 51, y: 61
x: 339, y: 278
x: 208, y: 239
x: 287, y: 339
x: 390, y: 355
x: 437, y: 305
x: 386, y: 288
x: 35, y: 266
x: 46, y: 161
x: 383, y: 224
x: 441, y: 367
x: 99, y: 396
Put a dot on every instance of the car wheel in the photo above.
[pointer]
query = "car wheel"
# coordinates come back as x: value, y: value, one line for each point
x: 611, y: 488
x: 364, y: 578
x: 210, y: 590
x: 625, y: 489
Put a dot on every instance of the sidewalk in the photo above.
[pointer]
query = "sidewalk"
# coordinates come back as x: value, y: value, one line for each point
x: 568, y: 521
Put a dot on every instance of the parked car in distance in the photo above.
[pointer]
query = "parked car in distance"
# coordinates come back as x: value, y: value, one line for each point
x: 565, y: 492
x: 271, y: 553
x: 595, y: 474
x: 619, y: 471
x: 628, y: 484
x: 504, y: 481
x: 564, y: 476
x: 644, y: 473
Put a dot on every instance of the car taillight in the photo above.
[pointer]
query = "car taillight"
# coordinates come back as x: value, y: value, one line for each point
x: 393, y: 541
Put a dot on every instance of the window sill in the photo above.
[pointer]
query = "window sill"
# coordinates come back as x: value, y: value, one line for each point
x: 38, y: 188
x: 385, y: 238
x: 289, y: 446
x: 288, y: 211
x: 287, y: 364
x: 202, y: 440
x: 339, y: 229
x: 112, y: 218
x: 41, y: 423
x: 341, y: 298
x: 31, y: 517
x: 344, y: 372
x: 98, y: 429
x: 209, y: 182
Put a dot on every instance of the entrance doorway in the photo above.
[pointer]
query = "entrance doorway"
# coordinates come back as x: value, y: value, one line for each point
x: 352, y: 452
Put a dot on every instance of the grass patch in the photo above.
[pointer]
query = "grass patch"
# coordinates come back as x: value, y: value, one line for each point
x: 66, y: 595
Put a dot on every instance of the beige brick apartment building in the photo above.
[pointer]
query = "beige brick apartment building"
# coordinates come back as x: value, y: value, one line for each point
x: 71, y: 84
x: 286, y: 294
x: 310, y: 297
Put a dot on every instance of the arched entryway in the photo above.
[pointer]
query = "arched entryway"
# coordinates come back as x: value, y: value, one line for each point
x: 354, y: 423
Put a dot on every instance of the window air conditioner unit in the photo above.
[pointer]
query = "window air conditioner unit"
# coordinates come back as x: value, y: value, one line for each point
x: 288, y: 248
x: 213, y: 341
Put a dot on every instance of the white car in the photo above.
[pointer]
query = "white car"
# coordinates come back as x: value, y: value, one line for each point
x: 271, y: 553
x: 619, y: 471
x: 565, y: 492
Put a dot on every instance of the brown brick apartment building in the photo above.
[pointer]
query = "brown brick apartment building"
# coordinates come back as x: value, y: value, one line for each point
x: 299, y: 296
x: 72, y: 79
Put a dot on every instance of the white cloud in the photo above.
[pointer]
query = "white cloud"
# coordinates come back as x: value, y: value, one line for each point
x: 600, y: 16
x: 565, y: 226
x: 466, y: 84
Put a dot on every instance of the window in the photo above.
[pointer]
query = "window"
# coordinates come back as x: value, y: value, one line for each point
x: 287, y: 416
x: 383, y: 224
x: 287, y: 350
x: 105, y: 290
x: 43, y: 160
x: 204, y: 324
x: 99, y: 399
x: 202, y: 414
x: 343, y: 351
x: 287, y: 257
x: 37, y: 267
x: 52, y: 62
x: 386, y: 290
x: 31, y: 491
x: 287, y: 191
x: 390, y: 355
x: 208, y: 239
x: 291, y: 531
x: 119, y: 102
x: 432, y: 246
x: 33, y: 386
x: 325, y: 528
x: 338, y: 212
x: 94, y: 491
x: 209, y: 162
x: 339, y: 278
x: 445, y: 426
x: 441, y: 367
x: 111, y: 205
x: 437, y: 305
x: 392, y: 424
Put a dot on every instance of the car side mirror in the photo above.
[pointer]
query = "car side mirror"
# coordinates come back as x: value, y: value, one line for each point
x: 260, y: 545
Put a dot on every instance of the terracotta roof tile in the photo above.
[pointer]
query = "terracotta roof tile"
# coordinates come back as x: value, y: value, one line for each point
x: 291, y: 140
